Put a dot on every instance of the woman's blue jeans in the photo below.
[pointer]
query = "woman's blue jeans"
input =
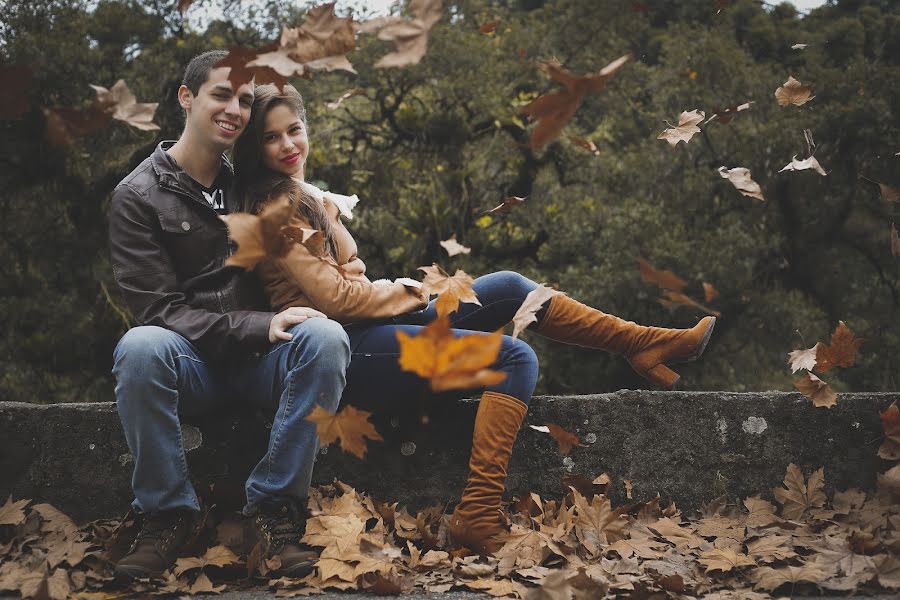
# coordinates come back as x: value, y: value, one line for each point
x: 160, y: 376
x: 375, y: 372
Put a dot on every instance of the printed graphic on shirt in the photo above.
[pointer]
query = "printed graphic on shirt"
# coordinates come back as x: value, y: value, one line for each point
x: 215, y: 198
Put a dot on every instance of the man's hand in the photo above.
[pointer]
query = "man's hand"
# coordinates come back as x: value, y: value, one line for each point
x: 287, y: 319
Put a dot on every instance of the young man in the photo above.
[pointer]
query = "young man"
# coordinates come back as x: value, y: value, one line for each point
x: 202, y: 338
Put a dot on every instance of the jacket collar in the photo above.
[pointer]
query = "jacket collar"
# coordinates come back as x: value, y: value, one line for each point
x: 174, y: 177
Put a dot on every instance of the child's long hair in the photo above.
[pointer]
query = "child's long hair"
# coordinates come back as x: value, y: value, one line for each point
x: 255, y: 184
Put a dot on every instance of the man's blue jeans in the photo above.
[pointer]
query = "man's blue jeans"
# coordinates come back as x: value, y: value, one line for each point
x: 375, y: 373
x: 159, y: 376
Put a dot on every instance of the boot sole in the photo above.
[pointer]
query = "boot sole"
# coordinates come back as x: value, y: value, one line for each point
x: 128, y: 574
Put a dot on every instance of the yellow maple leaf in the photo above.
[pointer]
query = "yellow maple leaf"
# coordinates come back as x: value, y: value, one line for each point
x: 450, y: 290
x: 350, y: 425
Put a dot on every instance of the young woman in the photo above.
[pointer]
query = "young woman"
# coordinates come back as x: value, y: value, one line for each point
x: 269, y: 162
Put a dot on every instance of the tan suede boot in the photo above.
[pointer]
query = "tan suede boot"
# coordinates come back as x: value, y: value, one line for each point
x: 647, y: 349
x: 478, y: 517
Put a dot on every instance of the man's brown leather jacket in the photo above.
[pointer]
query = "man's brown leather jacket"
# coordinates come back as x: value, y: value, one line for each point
x: 168, y: 251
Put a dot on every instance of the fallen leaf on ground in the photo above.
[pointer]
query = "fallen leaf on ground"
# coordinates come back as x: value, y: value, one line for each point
x: 11, y: 513
x: 217, y: 556
x: 450, y: 362
x: 741, y: 180
x: 349, y: 425
x: 798, y: 495
x: 793, y: 92
x: 724, y: 560
x: 769, y: 579
x: 686, y: 128
x: 529, y: 308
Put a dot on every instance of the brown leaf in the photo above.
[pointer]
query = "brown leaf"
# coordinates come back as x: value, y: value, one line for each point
x: 672, y: 298
x: 890, y: 422
x: 533, y: 302
x: 667, y: 280
x: 238, y: 59
x: 183, y: 5
x: 723, y: 559
x: 806, y: 163
x: 258, y: 236
x: 793, y: 92
x: 767, y: 578
x: 799, y: 496
x: 122, y: 104
x: 771, y: 548
x: 450, y: 362
x: 450, y: 290
x: 217, y: 556
x: 725, y: 115
x: 11, y: 513
x: 202, y: 585
x: 895, y: 241
x: 710, y: 293
x: 507, y: 205
x: 596, y: 523
x: 842, y: 351
x: 350, y: 425
x: 586, y: 487
x: 15, y: 85
x: 741, y: 180
x: 488, y: 27
x: 566, y: 440
x: 816, y: 390
x: 586, y: 144
x: 312, y: 239
x: 340, y: 532
x: 685, y: 130
x: 553, y: 110
x: 345, y: 96
x: 453, y: 247
x: 410, y: 36
x: 802, y: 359
x: 65, y: 124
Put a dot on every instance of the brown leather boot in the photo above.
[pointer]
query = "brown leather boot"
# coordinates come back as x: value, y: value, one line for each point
x: 280, y: 523
x: 647, y: 349
x: 478, y: 517
x: 163, y: 537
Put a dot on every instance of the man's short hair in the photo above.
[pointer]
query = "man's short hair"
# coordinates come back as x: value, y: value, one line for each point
x: 197, y: 71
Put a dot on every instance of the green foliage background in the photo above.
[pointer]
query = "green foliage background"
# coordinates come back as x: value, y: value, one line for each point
x: 429, y: 148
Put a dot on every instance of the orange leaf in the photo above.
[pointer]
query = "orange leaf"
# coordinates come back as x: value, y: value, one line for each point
x: 450, y: 362
x: 890, y: 421
x: 258, y: 236
x: 710, y: 293
x: 586, y: 144
x: 667, y: 280
x: 507, y: 205
x: 841, y: 352
x: 489, y: 27
x: 450, y: 290
x: 566, y: 440
x: 350, y: 425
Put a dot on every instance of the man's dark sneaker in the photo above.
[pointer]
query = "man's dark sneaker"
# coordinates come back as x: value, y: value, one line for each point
x: 280, y: 524
x: 163, y: 536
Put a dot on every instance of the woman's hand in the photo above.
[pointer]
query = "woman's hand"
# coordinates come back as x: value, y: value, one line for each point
x: 287, y: 319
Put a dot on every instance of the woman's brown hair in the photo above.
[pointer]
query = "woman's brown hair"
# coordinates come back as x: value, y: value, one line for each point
x: 256, y: 184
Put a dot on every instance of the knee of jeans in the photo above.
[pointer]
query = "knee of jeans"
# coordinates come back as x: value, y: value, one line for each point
x: 515, y: 282
x: 322, y: 338
x: 521, y: 356
x: 144, y: 344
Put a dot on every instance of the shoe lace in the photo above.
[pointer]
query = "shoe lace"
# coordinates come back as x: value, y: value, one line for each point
x: 282, y: 527
x: 156, y: 525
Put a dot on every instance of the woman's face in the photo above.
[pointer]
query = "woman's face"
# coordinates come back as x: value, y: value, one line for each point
x: 285, y: 145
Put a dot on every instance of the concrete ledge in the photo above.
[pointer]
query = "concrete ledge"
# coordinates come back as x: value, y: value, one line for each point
x: 688, y: 446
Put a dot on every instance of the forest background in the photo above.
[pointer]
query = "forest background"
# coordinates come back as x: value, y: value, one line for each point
x: 431, y: 147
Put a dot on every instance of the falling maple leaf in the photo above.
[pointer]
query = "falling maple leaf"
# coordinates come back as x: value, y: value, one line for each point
x: 410, y: 36
x: 741, y: 180
x: 627, y: 483
x: 685, y: 130
x: 553, y: 110
x: 725, y: 115
x: 672, y: 298
x: 450, y: 362
x: 122, y: 104
x: 798, y: 496
x: 217, y: 556
x: 258, y: 236
x: 533, y: 302
x: 65, y: 124
x: 818, y: 391
x: 806, y: 163
x: 507, y: 205
x: 321, y: 42
x: 667, y: 280
x: 802, y: 359
x: 238, y: 59
x: 350, y: 425
x: 891, y: 194
x: 586, y: 144
x: 450, y: 290
x: 841, y: 352
x: 799, y: 46
x: 453, y: 247
x: 565, y: 439
x: 710, y: 293
x: 489, y: 27
x: 15, y: 85
x: 890, y: 448
x: 345, y: 96
x: 793, y: 92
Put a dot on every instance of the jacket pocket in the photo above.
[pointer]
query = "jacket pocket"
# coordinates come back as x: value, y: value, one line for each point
x: 192, y: 246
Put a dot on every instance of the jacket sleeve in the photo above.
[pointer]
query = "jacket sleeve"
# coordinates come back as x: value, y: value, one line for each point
x: 145, y: 274
x: 340, y: 298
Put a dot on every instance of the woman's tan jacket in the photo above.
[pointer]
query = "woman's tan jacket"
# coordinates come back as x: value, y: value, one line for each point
x: 340, y: 288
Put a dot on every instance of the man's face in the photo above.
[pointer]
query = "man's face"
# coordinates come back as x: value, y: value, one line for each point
x: 218, y: 113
